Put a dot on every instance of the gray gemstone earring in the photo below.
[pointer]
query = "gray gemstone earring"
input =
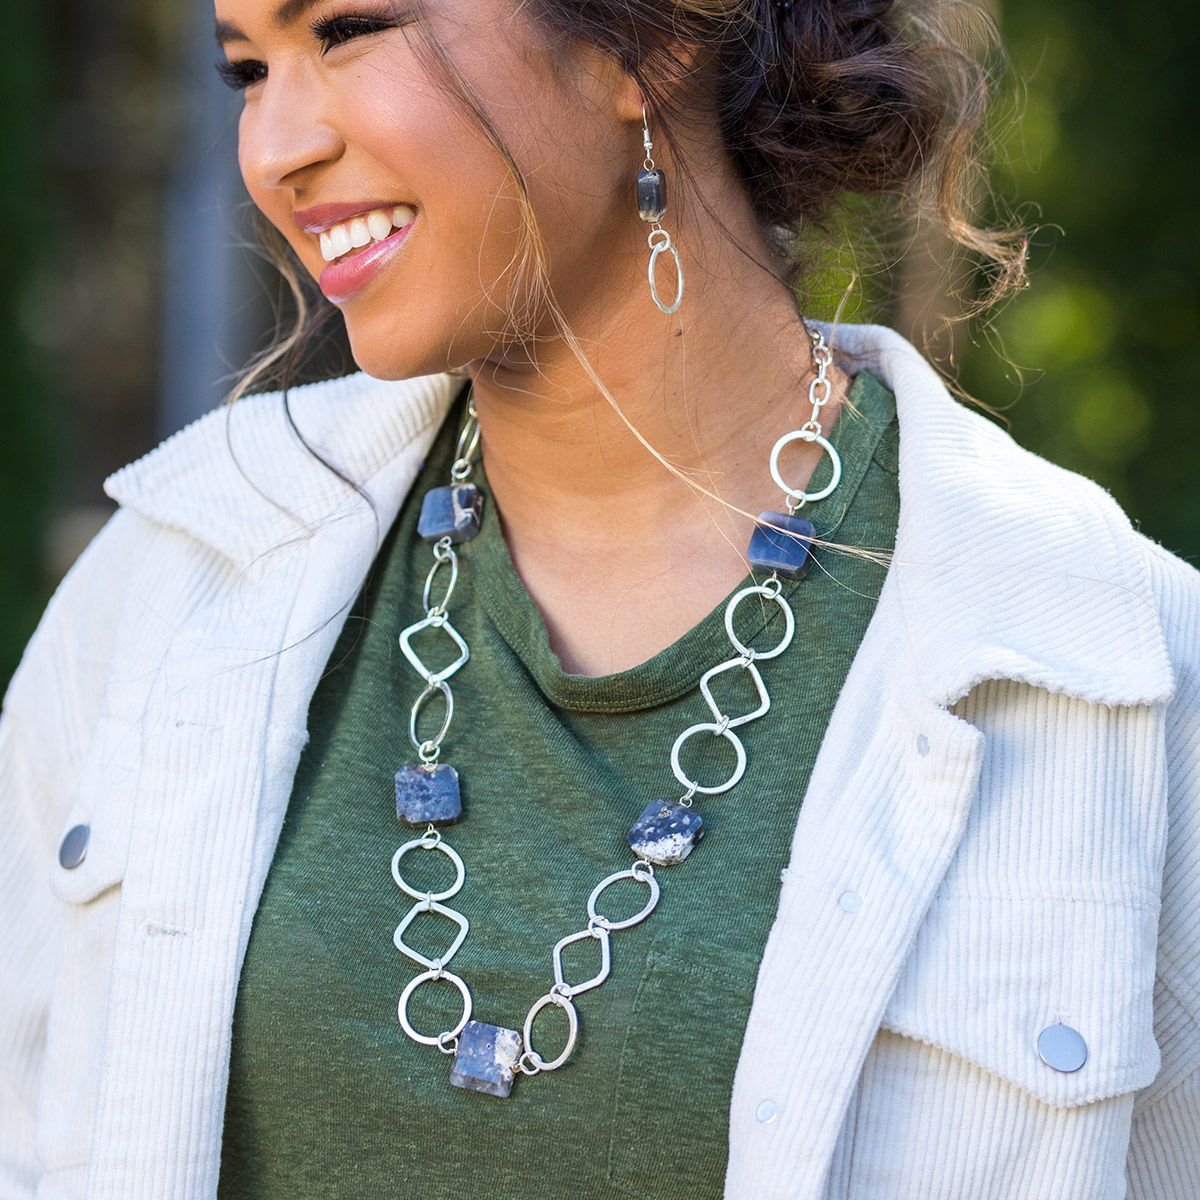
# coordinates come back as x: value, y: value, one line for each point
x: 652, y: 205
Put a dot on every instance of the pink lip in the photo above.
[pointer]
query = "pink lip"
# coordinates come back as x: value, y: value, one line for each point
x: 342, y: 279
x: 321, y: 216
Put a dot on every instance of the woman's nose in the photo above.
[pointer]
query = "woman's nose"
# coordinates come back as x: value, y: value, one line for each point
x: 284, y: 132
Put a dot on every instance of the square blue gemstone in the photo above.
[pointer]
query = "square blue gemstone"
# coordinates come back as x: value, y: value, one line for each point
x: 428, y: 794
x: 486, y: 1058
x: 454, y: 512
x: 771, y: 550
x: 665, y: 833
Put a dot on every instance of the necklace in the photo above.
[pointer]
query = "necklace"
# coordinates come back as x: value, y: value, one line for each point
x: 489, y: 1057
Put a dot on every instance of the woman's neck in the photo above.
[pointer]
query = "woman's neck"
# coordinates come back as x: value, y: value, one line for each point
x: 620, y: 555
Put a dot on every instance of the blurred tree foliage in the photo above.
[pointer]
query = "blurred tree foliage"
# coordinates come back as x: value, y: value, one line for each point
x: 1102, y: 354
x: 30, y: 425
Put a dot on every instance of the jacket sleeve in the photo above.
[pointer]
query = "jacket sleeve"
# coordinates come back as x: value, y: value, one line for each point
x: 49, y: 716
x: 1163, y: 1162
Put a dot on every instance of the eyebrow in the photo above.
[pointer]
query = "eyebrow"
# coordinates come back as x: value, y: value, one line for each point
x: 286, y: 14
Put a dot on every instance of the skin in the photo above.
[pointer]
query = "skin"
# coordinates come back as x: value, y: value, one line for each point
x: 632, y: 557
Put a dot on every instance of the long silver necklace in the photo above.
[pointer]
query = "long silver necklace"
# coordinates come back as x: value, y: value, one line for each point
x: 487, y: 1057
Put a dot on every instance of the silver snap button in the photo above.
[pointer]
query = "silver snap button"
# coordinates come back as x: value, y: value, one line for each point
x: 1061, y: 1047
x: 766, y: 1112
x: 922, y: 745
x: 849, y: 902
x: 73, y: 848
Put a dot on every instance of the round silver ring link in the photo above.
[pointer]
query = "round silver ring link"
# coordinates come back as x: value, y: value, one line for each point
x: 438, y: 564
x: 771, y: 593
x: 426, y: 844
x: 632, y: 873
x: 720, y: 727
x: 660, y: 240
x: 413, y: 984
x: 430, y: 745
x: 572, y: 1033
x: 807, y: 435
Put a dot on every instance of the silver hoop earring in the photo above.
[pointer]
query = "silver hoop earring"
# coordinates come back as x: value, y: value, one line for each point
x: 652, y: 205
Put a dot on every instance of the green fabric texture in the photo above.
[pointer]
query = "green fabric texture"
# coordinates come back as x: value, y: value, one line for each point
x: 327, y: 1096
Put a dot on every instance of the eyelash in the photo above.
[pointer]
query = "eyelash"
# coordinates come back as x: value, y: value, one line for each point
x: 329, y: 31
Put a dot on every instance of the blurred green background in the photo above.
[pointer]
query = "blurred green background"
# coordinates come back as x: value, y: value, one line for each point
x: 124, y: 215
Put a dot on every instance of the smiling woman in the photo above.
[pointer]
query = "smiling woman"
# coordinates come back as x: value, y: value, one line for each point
x: 778, y: 815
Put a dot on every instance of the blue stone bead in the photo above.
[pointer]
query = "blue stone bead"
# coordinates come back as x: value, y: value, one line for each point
x: 486, y: 1058
x: 771, y: 550
x: 665, y: 833
x: 454, y: 512
x: 428, y: 794
x: 651, y: 194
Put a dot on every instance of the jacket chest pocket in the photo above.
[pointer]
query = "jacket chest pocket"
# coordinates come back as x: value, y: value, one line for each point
x: 84, y: 877
x: 1019, y: 1030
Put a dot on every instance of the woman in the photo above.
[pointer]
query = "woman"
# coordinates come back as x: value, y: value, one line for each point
x: 801, y: 776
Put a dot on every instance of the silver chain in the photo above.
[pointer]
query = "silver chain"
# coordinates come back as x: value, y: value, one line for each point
x: 599, y: 927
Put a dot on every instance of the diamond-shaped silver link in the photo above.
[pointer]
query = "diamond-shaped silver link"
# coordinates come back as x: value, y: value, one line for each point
x: 571, y: 990
x: 706, y: 692
x: 435, y: 622
x: 431, y: 906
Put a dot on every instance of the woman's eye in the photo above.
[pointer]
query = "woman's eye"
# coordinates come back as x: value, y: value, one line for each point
x: 335, y: 31
x: 329, y: 31
x: 240, y: 75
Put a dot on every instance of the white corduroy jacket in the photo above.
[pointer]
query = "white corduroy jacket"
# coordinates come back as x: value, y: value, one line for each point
x: 1001, y: 832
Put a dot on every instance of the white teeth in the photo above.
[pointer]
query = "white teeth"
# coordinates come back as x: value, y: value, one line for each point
x: 359, y: 231
x: 379, y: 224
x: 339, y: 238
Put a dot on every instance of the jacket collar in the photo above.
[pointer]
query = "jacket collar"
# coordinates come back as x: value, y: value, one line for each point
x: 1005, y: 565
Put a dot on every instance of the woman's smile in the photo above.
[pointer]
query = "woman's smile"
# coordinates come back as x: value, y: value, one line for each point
x: 356, y: 248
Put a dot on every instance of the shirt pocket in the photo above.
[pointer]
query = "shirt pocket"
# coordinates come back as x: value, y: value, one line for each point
x: 669, y: 1134
x: 89, y: 897
x: 989, y: 974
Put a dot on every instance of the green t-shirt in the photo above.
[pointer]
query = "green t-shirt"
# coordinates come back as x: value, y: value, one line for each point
x: 327, y: 1095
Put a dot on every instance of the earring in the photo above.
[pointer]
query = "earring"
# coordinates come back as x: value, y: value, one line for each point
x: 652, y: 204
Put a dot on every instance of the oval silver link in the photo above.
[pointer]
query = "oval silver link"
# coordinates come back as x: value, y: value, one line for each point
x: 572, y: 1031
x: 659, y: 241
x: 413, y: 984
x: 425, y: 844
x: 468, y: 437
x: 607, y: 882
x: 429, y: 747
x: 800, y: 435
x: 430, y: 744
x: 771, y: 593
x: 709, y: 727
x: 438, y: 564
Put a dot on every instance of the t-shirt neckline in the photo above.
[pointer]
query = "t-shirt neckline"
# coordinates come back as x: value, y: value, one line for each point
x: 677, y: 668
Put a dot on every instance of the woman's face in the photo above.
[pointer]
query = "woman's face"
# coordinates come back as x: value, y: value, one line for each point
x: 344, y: 117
